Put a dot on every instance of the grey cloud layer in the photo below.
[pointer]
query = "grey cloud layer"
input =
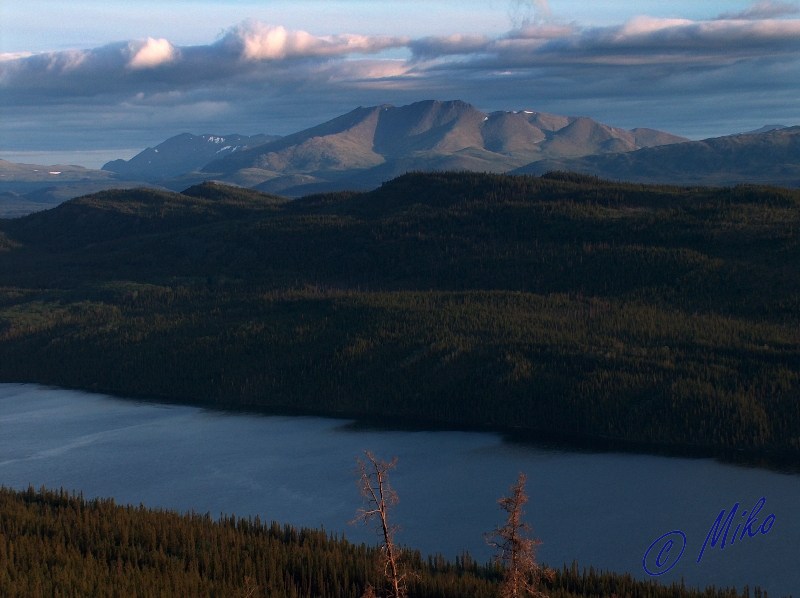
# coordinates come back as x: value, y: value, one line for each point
x: 253, y: 64
x: 240, y: 57
x: 252, y: 51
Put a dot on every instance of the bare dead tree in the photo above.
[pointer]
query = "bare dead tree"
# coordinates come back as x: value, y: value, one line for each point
x: 516, y: 549
x: 380, y: 498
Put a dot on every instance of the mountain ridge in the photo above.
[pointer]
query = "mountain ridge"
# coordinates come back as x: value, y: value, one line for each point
x: 383, y: 141
x: 368, y: 145
x: 181, y: 154
x: 770, y: 157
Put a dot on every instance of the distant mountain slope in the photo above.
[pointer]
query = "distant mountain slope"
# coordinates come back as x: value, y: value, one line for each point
x: 26, y: 188
x: 369, y: 145
x: 38, y: 173
x: 358, y: 150
x: 181, y: 154
x: 766, y: 129
x: 771, y: 157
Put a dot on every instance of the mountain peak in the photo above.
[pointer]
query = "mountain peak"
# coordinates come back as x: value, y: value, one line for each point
x: 370, y: 144
x: 181, y: 154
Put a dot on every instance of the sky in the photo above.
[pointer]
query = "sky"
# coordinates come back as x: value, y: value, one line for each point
x: 85, y: 81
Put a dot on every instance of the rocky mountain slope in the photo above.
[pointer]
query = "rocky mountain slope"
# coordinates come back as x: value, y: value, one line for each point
x: 366, y: 146
x: 181, y: 154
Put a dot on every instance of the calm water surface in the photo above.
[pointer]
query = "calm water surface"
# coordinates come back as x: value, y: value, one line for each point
x: 601, y: 509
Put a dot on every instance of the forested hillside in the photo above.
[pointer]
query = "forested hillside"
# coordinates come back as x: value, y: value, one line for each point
x: 559, y: 306
x: 57, y: 544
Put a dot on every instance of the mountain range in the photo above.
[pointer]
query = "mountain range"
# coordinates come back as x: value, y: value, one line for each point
x: 367, y: 146
x: 768, y: 157
x: 361, y: 149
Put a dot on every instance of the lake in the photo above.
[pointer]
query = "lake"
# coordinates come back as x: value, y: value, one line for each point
x: 599, y: 508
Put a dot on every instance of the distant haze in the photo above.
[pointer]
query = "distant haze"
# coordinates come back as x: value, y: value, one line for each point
x: 94, y: 158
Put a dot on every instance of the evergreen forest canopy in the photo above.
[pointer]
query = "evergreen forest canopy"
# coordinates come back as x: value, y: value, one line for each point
x: 57, y: 544
x: 559, y: 306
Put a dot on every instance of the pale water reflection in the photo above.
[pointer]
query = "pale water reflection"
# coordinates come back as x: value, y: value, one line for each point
x: 603, y: 509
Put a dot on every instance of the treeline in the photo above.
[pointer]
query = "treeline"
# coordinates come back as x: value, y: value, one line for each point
x: 53, y: 543
x: 561, y: 305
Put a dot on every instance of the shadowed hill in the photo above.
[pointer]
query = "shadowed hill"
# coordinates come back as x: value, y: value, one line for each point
x: 561, y: 306
x: 114, y: 214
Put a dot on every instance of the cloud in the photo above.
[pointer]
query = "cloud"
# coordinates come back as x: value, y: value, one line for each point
x: 254, y: 52
x: 6, y: 56
x: 437, y: 47
x: 256, y: 73
x: 643, y: 26
x: 765, y: 9
x: 256, y: 41
x: 646, y: 40
x: 151, y: 53
x: 245, y: 53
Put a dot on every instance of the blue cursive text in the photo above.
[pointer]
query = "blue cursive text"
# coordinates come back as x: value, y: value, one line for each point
x: 665, y: 552
x: 721, y: 528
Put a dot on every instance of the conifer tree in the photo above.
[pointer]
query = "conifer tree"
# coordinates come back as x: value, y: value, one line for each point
x: 516, y: 549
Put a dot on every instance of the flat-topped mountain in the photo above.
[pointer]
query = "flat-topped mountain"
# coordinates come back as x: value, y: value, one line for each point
x: 770, y: 157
